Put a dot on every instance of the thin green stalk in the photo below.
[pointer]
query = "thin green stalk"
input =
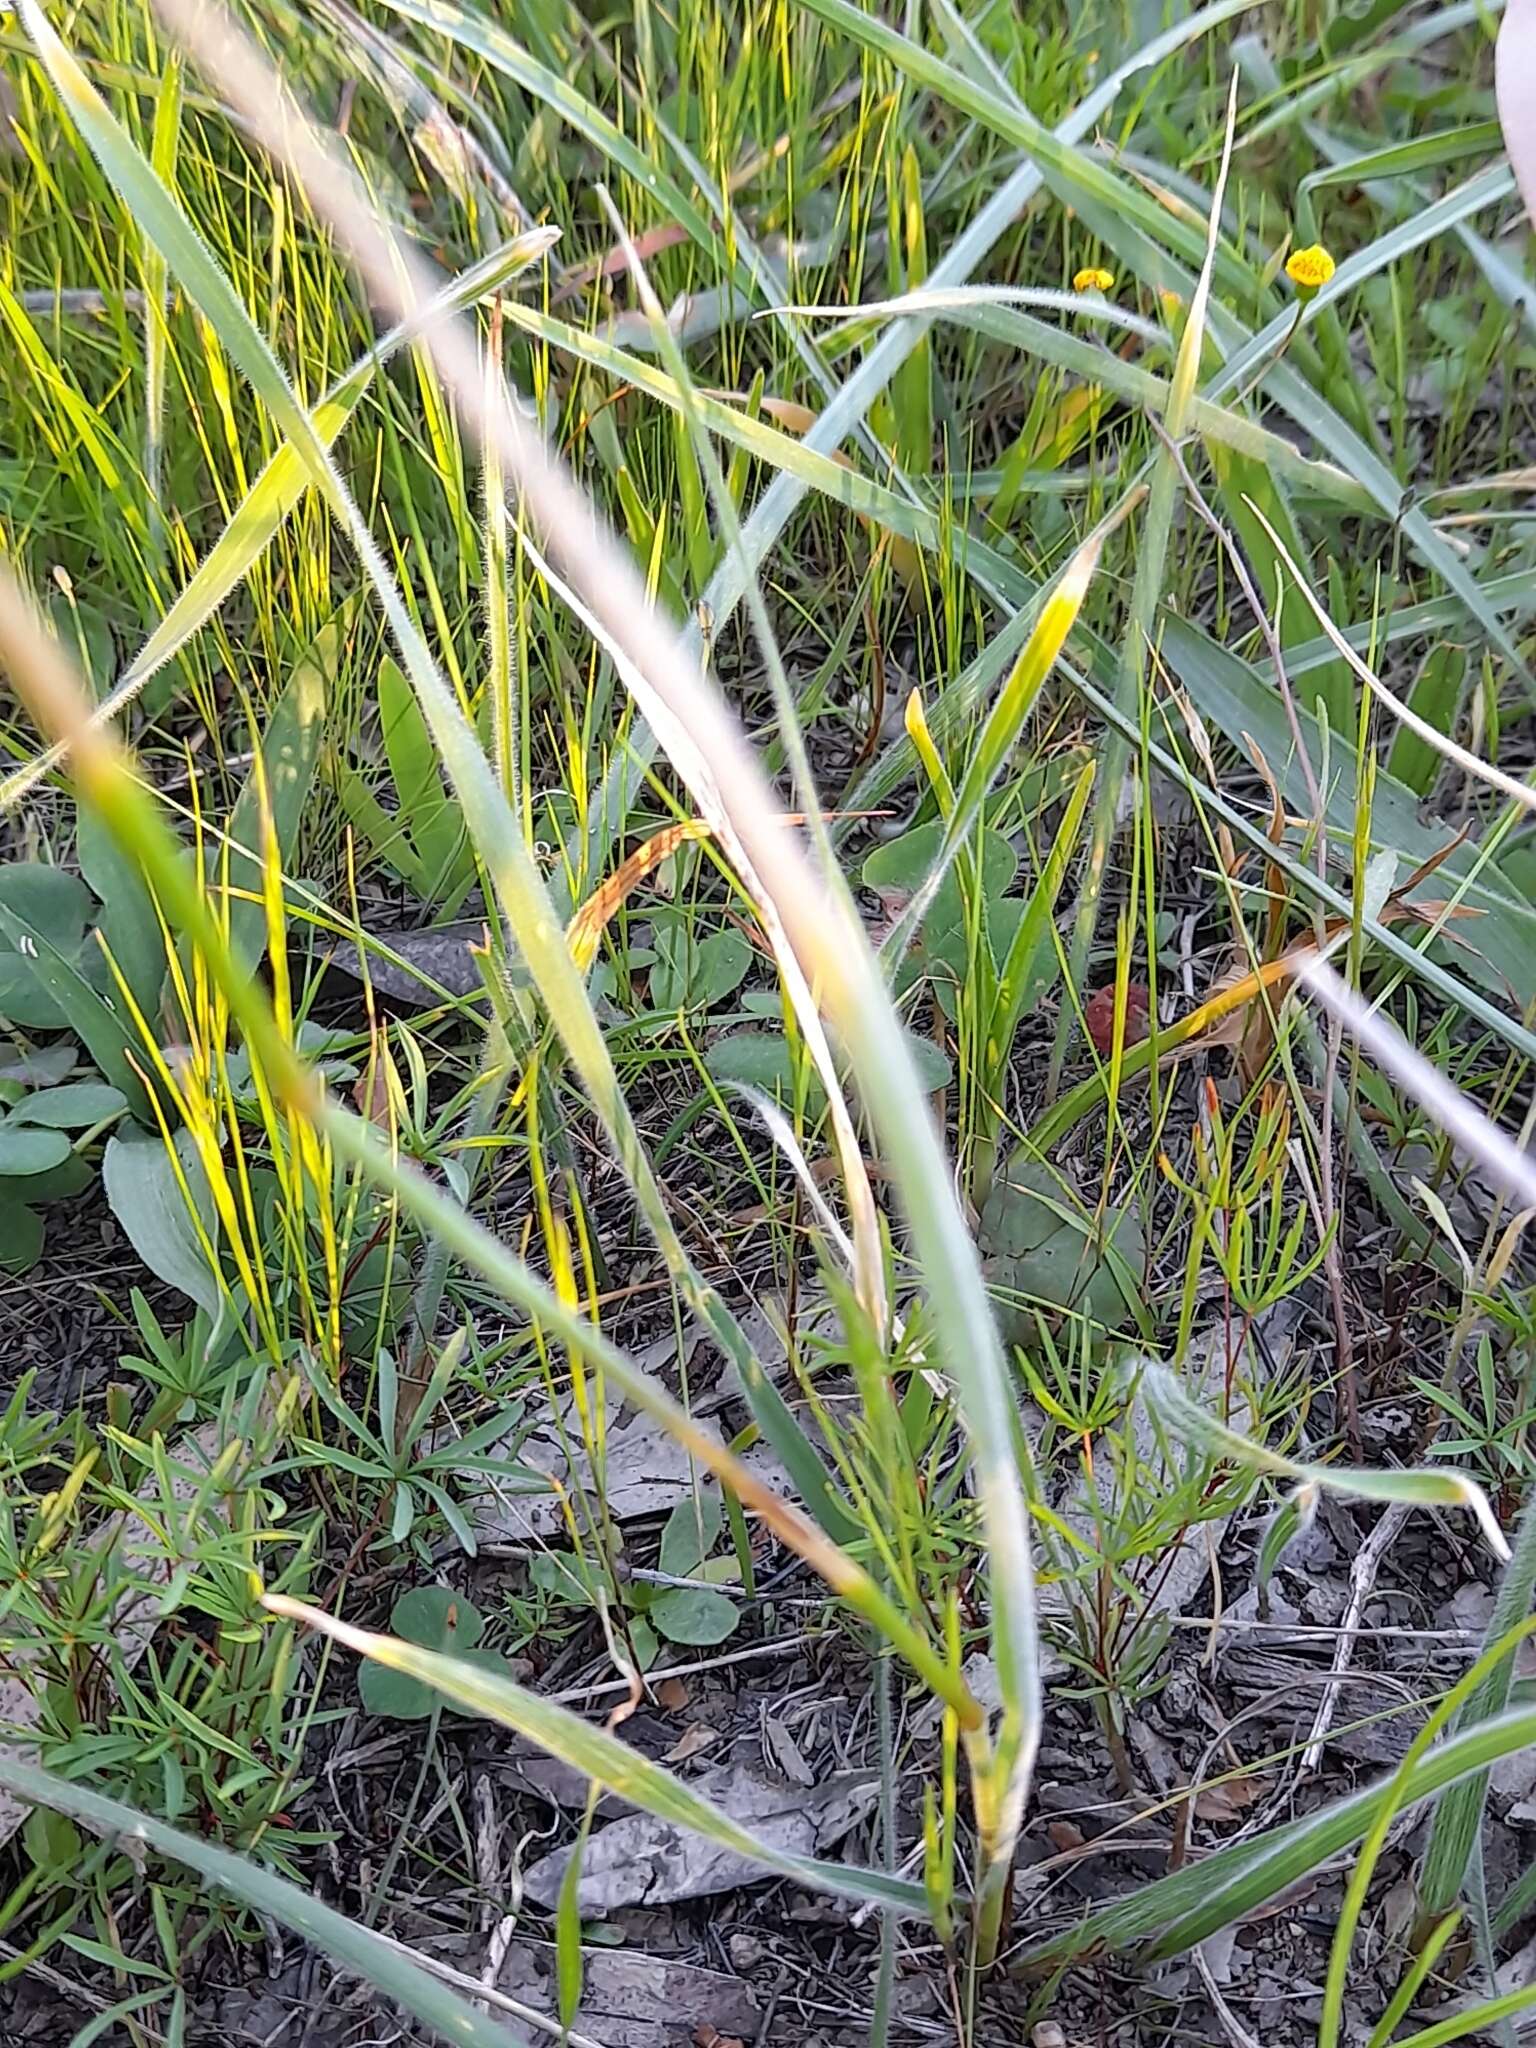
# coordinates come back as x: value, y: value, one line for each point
x: 164, y: 143
x: 1141, y: 627
x: 1459, y: 1816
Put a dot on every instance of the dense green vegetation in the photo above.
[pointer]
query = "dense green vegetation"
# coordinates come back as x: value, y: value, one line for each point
x: 874, y: 918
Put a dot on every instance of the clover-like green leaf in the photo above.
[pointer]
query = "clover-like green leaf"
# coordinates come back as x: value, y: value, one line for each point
x: 692, y: 1614
x: 434, y: 1618
x: 1039, y: 1246
x: 27, y: 1149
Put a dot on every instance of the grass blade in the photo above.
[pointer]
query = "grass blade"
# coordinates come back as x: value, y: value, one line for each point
x: 106, y: 783
x: 600, y: 1756
x: 381, y: 1963
x: 274, y: 494
x: 491, y: 823
x: 1172, y: 1914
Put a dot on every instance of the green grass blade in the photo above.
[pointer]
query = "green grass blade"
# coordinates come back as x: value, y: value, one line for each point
x: 381, y: 1963
x: 602, y: 1757
x: 1418, y: 1486
x: 47, y: 684
x: 1172, y: 1914
x: 1054, y: 620
x: 490, y: 821
x: 1083, y: 180
x: 164, y: 144
x: 1423, y: 153
x: 773, y: 510
x: 823, y: 923
x: 1459, y: 1816
x: 279, y: 487
x: 994, y: 312
x: 1500, y: 944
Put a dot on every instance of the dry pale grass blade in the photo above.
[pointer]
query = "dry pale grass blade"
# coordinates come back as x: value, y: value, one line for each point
x: 826, y: 938
x: 1471, y: 764
x: 1514, y: 72
x: 696, y: 770
x: 1511, y: 1170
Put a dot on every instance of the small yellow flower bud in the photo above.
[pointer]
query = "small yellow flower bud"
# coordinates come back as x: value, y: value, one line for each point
x: 1309, y: 269
x: 1093, y: 281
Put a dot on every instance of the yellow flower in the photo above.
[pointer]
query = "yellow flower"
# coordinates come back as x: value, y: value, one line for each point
x: 1093, y: 281
x: 1309, y: 269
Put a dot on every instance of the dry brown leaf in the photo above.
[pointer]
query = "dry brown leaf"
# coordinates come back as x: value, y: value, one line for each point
x: 691, y: 1742
x: 1227, y: 1798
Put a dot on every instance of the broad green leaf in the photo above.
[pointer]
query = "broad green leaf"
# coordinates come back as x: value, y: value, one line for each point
x: 21, y: 1235
x: 762, y: 1060
x: 28, y: 1148
x: 72, y: 1108
x: 693, y: 972
x: 126, y: 919
x: 692, y: 1614
x: 433, y: 820
x: 905, y: 864
x: 691, y: 1532
x: 1436, y: 698
x: 290, y: 749
x: 437, y: 1619
x: 145, y: 1191
x: 50, y: 907
x: 95, y: 1018
x: 54, y: 904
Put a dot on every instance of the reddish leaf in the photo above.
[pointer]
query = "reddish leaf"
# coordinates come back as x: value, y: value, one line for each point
x: 1099, y: 1016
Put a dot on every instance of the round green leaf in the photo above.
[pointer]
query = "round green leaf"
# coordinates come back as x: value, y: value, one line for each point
x: 53, y: 903
x: 51, y: 1840
x: 1058, y: 1260
x: 904, y: 864
x: 438, y: 1619
x: 761, y: 1060
x: 693, y: 1614
x: 70, y: 1177
x: 693, y: 973
x: 693, y: 1527
x: 21, y: 1237
x: 72, y: 1108
x: 934, y: 1065
x: 26, y: 1149
x: 435, y: 1618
